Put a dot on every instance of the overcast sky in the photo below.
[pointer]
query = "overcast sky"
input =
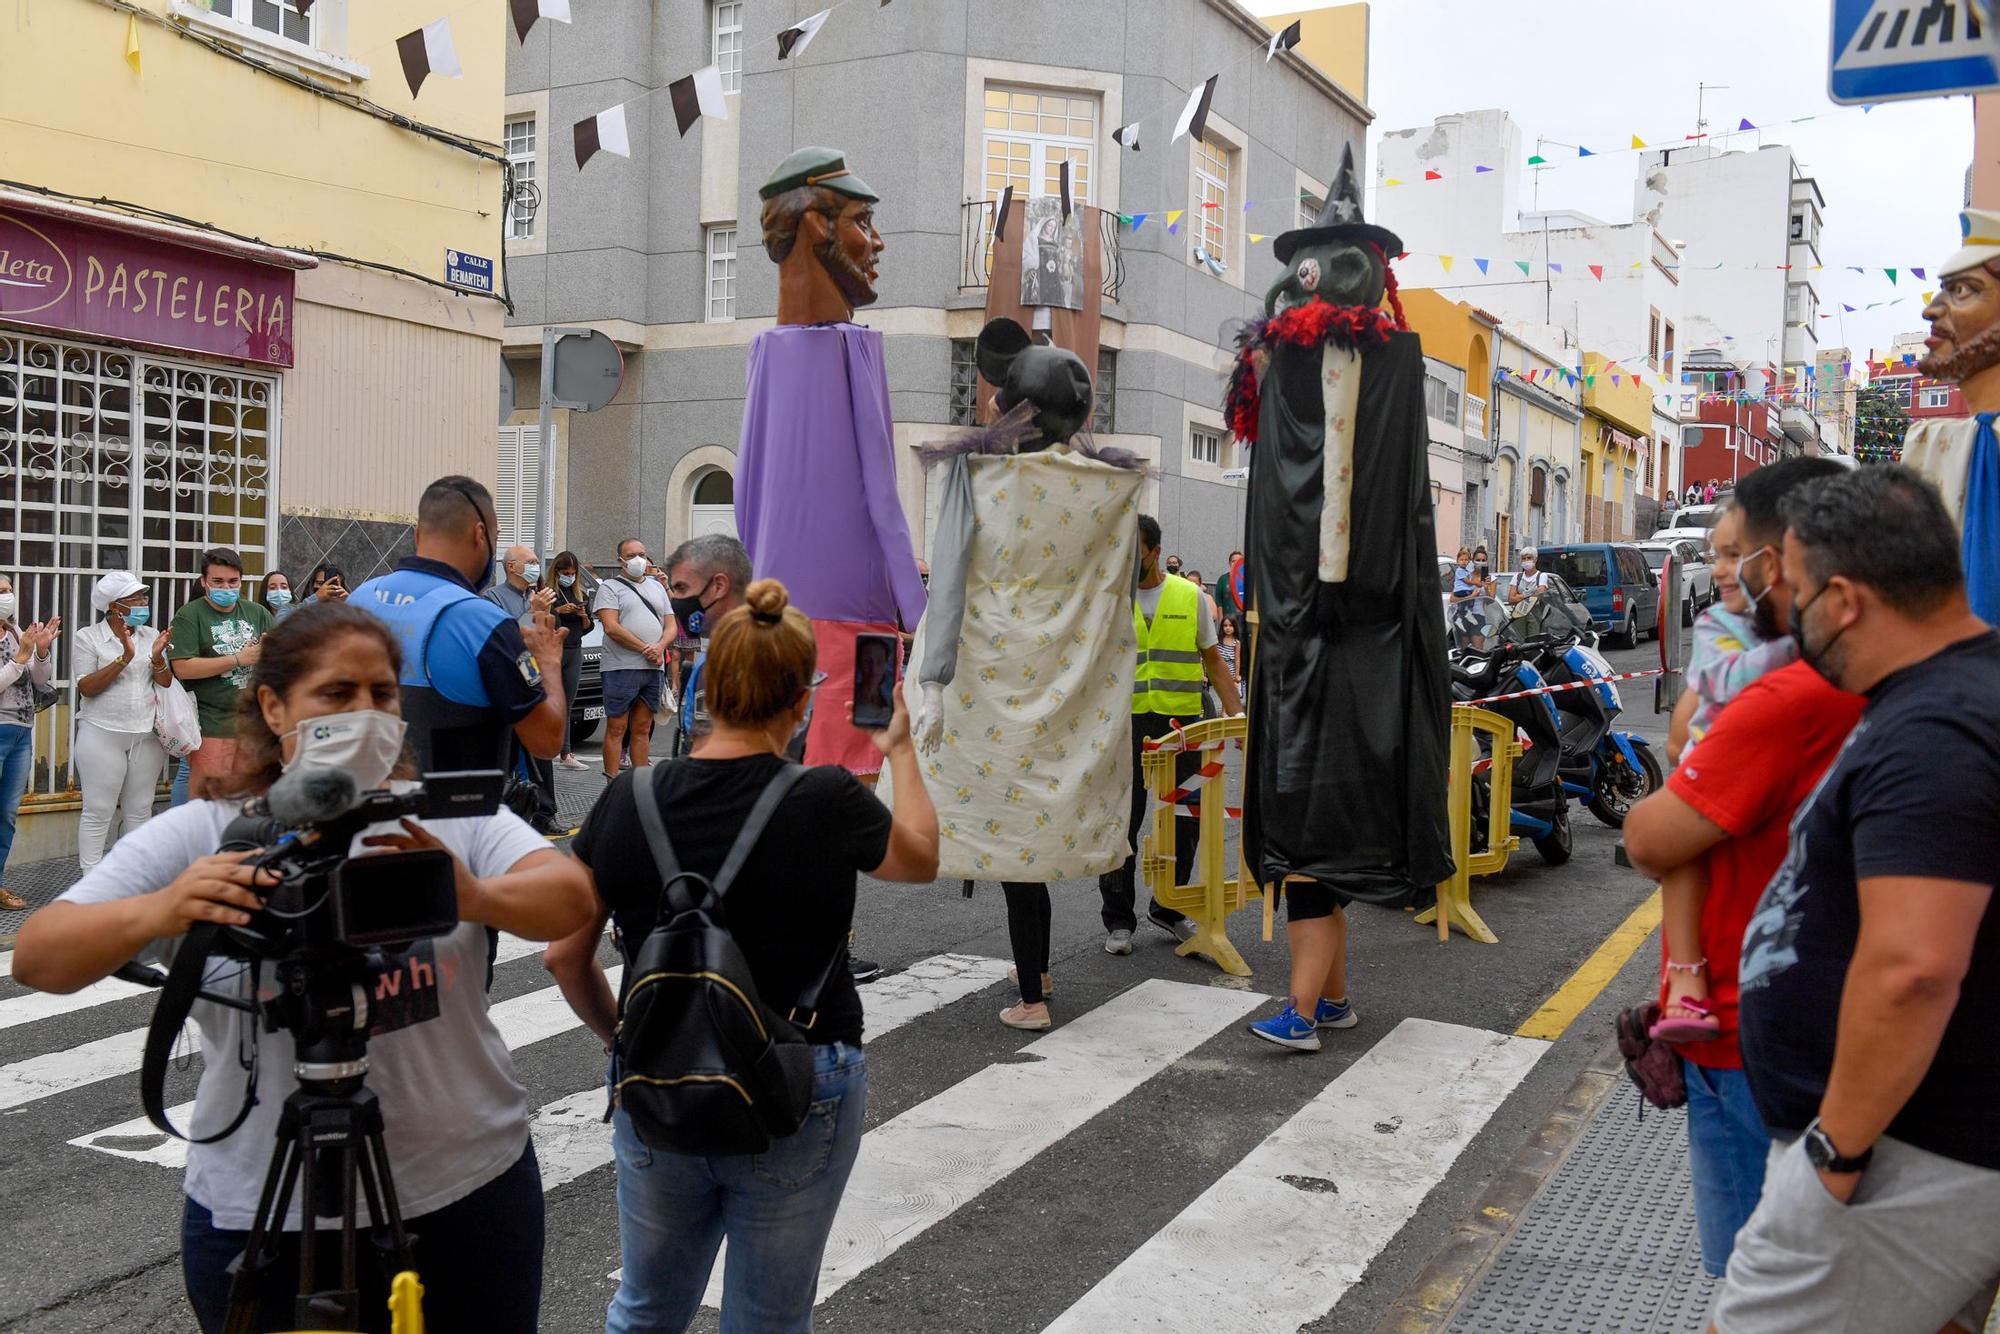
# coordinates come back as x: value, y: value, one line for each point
x: 1598, y: 73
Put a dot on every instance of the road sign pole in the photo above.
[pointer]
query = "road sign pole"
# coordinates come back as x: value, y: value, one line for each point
x: 545, y: 454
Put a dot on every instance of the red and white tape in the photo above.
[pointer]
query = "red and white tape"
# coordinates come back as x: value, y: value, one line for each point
x: 1551, y: 690
x: 1175, y: 742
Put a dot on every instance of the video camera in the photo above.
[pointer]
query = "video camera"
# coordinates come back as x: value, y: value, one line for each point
x: 326, y: 902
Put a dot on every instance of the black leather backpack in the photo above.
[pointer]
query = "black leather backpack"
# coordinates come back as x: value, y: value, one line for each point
x: 703, y: 1065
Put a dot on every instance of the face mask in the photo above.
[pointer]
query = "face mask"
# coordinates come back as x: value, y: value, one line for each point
x: 277, y: 597
x: 1743, y: 583
x: 1528, y: 563
x: 691, y: 611
x: 635, y: 567
x: 566, y: 580
x: 9, y: 604
x: 224, y: 598
x: 138, y: 616
x: 1814, y: 658
x: 366, y: 743
x: 532, y: 573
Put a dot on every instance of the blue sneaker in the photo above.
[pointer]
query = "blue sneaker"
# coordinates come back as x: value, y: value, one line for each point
x: 1288, y: 1028
x: 1330, y: 1015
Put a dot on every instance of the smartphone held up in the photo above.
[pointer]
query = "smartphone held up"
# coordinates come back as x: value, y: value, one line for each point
x: 875, y: 680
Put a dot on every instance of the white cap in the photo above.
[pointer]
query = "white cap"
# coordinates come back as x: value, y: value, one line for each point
x: 1979, y: 241
x: 113, y: 586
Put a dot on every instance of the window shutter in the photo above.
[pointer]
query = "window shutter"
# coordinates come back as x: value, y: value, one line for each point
x: 514, y: 491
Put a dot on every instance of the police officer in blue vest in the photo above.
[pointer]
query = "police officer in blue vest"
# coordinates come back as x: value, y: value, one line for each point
x: 474, y: 677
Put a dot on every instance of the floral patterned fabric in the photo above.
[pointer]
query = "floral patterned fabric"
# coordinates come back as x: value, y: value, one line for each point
x: 1032, y: 777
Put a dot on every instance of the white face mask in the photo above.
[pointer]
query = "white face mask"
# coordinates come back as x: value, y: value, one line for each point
x: 9, y: 604
x: 366, y: 743
x: 635, y: 567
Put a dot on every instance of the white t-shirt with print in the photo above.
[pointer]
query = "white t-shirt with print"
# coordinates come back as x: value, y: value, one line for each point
x: 455, y: 1115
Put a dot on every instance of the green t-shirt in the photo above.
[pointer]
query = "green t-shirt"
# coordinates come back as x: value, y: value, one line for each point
x: 200, y: 631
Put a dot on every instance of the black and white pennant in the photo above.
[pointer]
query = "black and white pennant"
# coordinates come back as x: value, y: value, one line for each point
x: 1127, y: 136
x: 1194, y: 116
x: 1284, y: 39
x: 1000, y: 211
x: 698, y: 95
x: 527, y: 11
x: 428, y: 51
x: 1062, y: 186
x: 605, y: 132
x: 794, y: 40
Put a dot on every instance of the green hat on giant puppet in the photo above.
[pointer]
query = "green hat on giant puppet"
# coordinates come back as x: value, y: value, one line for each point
x: 816, y: 166
x: 1340, y: 221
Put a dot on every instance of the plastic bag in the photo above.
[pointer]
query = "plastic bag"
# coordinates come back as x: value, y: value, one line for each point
x: 175, y: 720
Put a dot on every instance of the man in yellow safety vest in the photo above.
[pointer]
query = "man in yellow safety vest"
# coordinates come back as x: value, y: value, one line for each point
x: 1177, y: 653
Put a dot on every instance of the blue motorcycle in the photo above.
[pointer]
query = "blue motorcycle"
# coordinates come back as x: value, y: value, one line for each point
x: 1607, y: 770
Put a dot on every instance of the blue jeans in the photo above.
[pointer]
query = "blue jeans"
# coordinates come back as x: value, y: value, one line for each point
x: 1727, y: 1146
x: 775, y: 1207
x: 179, y: 794
x: 17, y: 757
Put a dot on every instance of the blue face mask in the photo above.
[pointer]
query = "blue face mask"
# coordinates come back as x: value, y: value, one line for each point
x: 532, y: 573
x: 566, y: 580
x: 138, y: 616
x: 279, y: 597
x: 224, y: 598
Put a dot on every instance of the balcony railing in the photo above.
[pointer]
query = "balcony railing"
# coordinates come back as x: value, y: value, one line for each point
x: 977, y: 234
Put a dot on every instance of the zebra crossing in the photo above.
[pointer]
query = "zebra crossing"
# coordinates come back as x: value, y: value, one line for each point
x: 1273, y: 1241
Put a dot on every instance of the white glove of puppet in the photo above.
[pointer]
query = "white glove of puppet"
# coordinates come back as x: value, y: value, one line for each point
x: 928, y: 725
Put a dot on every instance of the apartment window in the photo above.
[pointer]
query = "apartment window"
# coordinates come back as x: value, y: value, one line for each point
x: 519, y: 143
x: 281, y: 18
x: 1205, y: 445
x: 1653, y: 339
x: 1798, y: 226
x: 1441, y: 401
x: 964, y: 382
x: 722, y: 272
x: 1667, y: 352
x: 1104, y: 393
x: 1212, y: 209
x: 1029, y: 135
x: 725, y: 28
x: 1309, y: 206
x: 1935, y: 398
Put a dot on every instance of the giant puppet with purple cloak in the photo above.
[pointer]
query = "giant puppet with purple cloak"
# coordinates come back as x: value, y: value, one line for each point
x: 816, y: 500
x: 1349, y: 694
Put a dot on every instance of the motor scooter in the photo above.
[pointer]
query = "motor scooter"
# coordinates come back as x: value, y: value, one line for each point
x: 1609, y: 771
x: 1494, y: 653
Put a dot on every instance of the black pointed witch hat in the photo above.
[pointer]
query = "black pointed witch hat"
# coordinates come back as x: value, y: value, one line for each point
x: 1339, y: 220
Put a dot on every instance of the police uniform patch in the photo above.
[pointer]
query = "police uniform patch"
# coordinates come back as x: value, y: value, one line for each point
x: 531, y: 671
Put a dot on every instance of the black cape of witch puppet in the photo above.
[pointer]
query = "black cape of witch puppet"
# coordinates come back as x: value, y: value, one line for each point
x: 1349, y: 691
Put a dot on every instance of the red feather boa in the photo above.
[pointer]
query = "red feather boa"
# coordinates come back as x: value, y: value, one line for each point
x: 1314, y: 324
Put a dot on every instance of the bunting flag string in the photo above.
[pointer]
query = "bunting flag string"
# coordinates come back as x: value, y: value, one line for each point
x: 794, y: 40
x: 427, y: 51
x: 1194, y: 116
x: 1284, y: 39
x: 526, y: 12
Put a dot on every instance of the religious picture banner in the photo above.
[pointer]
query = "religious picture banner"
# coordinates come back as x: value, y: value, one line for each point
x: 1051, y: 255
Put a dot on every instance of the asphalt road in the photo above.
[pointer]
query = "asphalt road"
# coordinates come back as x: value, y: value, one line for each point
x: 1103, y: 1169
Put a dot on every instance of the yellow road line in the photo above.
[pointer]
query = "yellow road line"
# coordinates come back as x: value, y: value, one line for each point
x: 1594, y: 974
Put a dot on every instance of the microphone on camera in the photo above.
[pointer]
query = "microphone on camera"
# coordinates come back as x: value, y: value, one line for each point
x: 309, y: 795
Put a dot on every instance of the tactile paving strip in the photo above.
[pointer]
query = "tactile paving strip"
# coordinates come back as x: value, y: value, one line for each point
x: 1609, y: 1245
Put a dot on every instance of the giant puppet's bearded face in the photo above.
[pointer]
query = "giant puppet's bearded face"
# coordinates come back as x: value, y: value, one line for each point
x: 1965, y: 325
x: 1338, y: 272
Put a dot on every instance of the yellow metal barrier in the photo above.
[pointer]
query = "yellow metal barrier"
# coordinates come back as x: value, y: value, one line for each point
x: 1454, y: 896
x: 1212, y: 895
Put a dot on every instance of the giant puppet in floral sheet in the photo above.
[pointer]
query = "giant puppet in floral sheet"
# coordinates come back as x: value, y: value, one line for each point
x: 1349, y: 692
x: 816, y: 500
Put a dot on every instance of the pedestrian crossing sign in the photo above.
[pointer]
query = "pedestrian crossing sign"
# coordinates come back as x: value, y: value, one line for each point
x: 1887, y: 50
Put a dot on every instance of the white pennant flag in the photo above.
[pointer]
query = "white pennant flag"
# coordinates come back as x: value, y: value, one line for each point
x: 1284, y: 39
x: 1194, y: 116
x: 794, y: 40
x: 1127, y: 136
x: 697, y: 95
x: 428, y: 51
x: 605, y: 132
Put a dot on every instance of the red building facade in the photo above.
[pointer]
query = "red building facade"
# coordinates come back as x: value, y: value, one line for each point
x: 1728, y: 440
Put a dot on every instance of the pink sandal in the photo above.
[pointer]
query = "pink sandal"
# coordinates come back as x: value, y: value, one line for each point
x: 1701, y: 1027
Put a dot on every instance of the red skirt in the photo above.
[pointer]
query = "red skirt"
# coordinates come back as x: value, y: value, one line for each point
x: 830, y: 737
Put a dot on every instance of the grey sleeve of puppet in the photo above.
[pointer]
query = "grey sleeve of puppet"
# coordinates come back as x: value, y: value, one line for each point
x: 945, y: 612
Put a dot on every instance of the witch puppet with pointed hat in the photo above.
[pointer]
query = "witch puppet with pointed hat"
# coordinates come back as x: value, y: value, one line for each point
x: 1960, y: 455
x: 1349, y: 704
x: 816, y: 500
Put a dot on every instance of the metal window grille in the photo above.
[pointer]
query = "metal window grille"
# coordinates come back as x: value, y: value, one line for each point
x: 1104, y: 393
x: 1211, y: 199
x: 726, y: 29
x: 78, y: 498
x: 519, y: 144
x: 964, y: 382
x: 722, y: 273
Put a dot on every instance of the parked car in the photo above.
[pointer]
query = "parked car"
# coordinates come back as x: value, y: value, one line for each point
x: 1616, y: 583
x: 586, y: 711
x: 1692, y: 523
x: 1697, y: 575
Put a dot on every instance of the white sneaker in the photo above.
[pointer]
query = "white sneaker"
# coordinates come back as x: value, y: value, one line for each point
x: 1118, y: 942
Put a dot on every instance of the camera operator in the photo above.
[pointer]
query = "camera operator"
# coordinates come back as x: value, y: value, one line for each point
x: 455, y: 1114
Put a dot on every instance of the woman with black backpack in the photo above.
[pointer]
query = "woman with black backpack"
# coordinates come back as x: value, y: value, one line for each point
x: 787, y: 906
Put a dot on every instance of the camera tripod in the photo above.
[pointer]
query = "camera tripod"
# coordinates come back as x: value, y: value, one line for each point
x: 329, y: 1142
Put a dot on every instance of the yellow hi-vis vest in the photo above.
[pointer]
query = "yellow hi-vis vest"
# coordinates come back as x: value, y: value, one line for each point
x: 1170, y: 676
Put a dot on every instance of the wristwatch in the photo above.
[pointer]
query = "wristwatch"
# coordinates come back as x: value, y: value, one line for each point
x: 1821, y: 1153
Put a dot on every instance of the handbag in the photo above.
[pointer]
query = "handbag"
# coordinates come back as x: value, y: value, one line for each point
x: 1653, y: 1066
x: 45, y: 695
x: 176, y: 721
